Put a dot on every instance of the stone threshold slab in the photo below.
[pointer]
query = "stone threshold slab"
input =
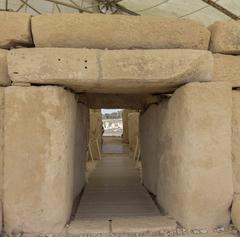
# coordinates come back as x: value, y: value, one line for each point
x: 121, y: 226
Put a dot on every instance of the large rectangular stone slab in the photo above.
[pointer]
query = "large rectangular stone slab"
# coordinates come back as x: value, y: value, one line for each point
x: 4, y: 78
x: 125, y: 113
x: 81, y: 124
x: 133, y: 132
x: 95, y: 133
x: 15, y: 30
x: 118, y: 32
x: 225, y: 37
x: 43, y: 146
x: 226, y: 68
x: 235, y: 140
x: 111, y: 71
x: 1, y: 152
x: 149, y: 147
x: 195, y: 170
x: 114, y: 101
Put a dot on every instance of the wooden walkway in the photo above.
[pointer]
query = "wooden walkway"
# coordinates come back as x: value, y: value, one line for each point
x: 114, y: 188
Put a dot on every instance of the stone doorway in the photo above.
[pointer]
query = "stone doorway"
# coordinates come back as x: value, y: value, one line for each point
x: 182, y: 114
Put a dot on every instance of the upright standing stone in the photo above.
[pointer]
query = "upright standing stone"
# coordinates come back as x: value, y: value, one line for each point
x: 149, y: 147
x: 1, y: 152
x: 195, y: 169
x: 95, y: 133
x: 15, y: 29
x: 235, y: 213
x: 4, y: 78
x: 118, y: 32
x: 125, y: 125
x: 133, y: 132
x: 41, y: 153
x: 236, y: 140
x: 81, y: 124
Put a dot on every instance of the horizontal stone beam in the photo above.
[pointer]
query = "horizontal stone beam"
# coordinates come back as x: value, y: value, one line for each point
x: 15, y: 30
x: 110, y: 71
x: 114, y: 101
x: 118, y: 32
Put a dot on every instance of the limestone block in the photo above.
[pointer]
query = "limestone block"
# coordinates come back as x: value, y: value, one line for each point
x: 235, y: 212
x: 226, y: 68
x: 95, y: 133
x: 125, y: 113
x: 133, y: 131
x: 235, y: 139
x: 111, y: 71
x: 4, y: 78
x: 118, y: 32
x: 115, y: 101
x: 149, y: 147
x: 41, y: 152
x: 195, y: 155
x: 16, y: 30
x: 225, y: 37
x: 1, y: 151
x: 80, y: 147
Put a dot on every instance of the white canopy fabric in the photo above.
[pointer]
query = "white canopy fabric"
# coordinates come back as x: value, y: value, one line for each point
x: 193, y: 9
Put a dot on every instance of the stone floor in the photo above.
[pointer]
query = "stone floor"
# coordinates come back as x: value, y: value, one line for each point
x: 116, y: 204
x: 114, y: 201
x: 114, y: 188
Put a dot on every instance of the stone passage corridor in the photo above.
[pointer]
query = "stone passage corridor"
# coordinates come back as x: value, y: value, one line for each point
x: 114, y: 188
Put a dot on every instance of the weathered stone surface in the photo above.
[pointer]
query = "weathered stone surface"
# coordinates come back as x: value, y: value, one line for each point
x: 4, y: 78
x: 195, y: 155
x: 111, y: 71
x: 16, y: 30
x: 236, y: 140
x: 81, y: 124
x: 225, y: 37
x: 41, y: 154
x: 235, y: 212
x: 125, y: 113
x: 1, y: 151
x: 133, y: 132
x: 95, y: 133
x: 149, y: 147
x: 226, y: 68
x: 117, y: 32
x: 114, y: 101
x: 152, y: 225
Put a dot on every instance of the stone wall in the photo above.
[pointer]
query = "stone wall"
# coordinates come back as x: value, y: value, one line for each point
x: 150, y: 147
x: 133, y: 132
x: 193, y: 148
x: 1, y: 152
x: 95, y: 133
x: 45, y: 130
x: 125, y: 113
x: 44, y: 153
